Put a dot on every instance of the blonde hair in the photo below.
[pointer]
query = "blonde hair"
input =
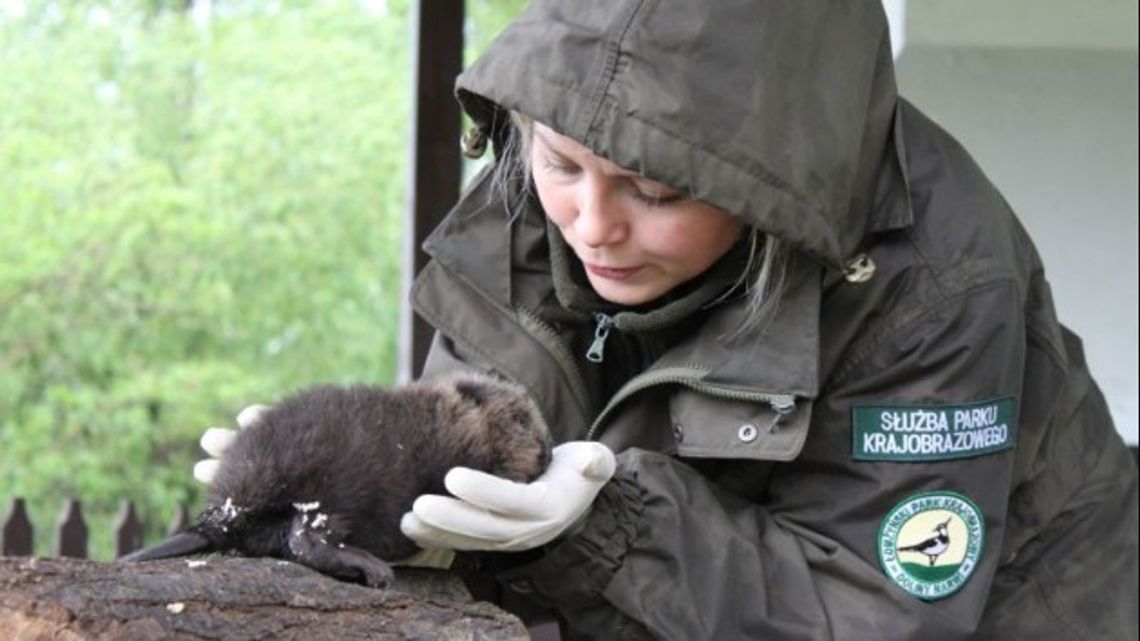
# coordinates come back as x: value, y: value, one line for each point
x: 761, y: 280
x: 510, y: 180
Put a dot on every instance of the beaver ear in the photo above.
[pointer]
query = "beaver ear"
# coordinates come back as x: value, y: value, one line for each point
x: 475, y: 390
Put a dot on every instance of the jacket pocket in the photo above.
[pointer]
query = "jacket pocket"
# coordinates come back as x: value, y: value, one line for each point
x: 706, y: 426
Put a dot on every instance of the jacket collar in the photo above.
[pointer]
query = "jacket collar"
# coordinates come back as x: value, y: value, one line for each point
x: 781, y: 357
x: 474, y: 241
x: 891, y: 206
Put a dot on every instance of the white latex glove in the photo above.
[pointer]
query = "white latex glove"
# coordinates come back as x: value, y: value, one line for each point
x: 492, y: 513
x: 216, y: 440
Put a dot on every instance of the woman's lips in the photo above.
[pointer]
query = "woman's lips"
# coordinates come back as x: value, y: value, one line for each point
x: 612, y: 273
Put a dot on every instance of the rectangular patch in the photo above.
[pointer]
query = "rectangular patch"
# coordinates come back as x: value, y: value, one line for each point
x: 915, y: 433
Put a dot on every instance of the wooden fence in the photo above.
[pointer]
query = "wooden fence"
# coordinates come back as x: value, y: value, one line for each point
x: 71, y: 531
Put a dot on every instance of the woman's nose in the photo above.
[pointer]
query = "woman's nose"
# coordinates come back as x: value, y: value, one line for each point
x: 600, y: 220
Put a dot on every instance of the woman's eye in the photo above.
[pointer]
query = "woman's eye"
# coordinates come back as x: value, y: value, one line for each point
x: 657, y: 200
x: 557, y: 167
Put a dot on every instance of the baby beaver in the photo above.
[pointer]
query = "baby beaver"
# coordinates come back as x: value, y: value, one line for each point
x: 324, y: 476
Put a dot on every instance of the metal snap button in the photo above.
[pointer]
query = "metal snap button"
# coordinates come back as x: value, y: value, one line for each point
x: 747, y: 433
x: 473, y: 143
x: 678, y: 435
x: 859, y: 269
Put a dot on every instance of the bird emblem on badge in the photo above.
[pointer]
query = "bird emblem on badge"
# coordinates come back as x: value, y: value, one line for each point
x: 935, y: 545
x: 930, y: 543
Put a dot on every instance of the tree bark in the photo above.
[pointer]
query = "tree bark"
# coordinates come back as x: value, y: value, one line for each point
x: 234, y: 599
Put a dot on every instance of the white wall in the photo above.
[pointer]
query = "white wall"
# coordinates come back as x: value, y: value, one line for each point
x: 1051, y: 116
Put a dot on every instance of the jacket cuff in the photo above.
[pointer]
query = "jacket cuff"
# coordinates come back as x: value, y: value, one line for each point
x: 575, y: 571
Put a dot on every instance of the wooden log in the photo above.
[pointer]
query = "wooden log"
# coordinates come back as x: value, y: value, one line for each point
x: 232, y: 598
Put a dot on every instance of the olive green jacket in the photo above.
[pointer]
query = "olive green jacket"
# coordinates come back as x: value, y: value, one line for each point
x: 761, y: 477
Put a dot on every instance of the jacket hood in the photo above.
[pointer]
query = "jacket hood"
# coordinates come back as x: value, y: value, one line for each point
x: 778, y: 112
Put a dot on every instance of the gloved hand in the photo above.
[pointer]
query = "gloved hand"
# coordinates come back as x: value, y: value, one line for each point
x: 492, y: 513
x: 216, y: 440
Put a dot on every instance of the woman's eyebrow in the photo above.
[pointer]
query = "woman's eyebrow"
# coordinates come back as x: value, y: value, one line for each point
x: 615, y: 171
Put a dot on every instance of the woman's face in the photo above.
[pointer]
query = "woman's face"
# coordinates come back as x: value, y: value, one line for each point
x: 637, y: 238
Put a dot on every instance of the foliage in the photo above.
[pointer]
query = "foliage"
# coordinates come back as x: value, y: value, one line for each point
x: 194, y: 218
x: 485, y: 19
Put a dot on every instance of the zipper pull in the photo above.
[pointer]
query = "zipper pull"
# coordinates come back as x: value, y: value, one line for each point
x: 782, y: 404
x: 601, y: 332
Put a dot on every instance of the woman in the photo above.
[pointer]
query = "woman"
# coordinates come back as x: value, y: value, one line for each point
x: 718, y: 243
x: 819, y: 341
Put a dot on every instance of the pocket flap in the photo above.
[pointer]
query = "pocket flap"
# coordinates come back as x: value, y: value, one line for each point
x: 710, y: 427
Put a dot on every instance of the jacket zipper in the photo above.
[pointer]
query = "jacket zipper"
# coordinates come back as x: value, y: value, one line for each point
x: 690, y: 377
x: 601, y: 332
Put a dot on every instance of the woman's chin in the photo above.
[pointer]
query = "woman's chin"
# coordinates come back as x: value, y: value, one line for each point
x: 624, y: 293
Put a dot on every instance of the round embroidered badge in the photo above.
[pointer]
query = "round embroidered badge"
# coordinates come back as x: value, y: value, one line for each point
x: 930, y: 543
